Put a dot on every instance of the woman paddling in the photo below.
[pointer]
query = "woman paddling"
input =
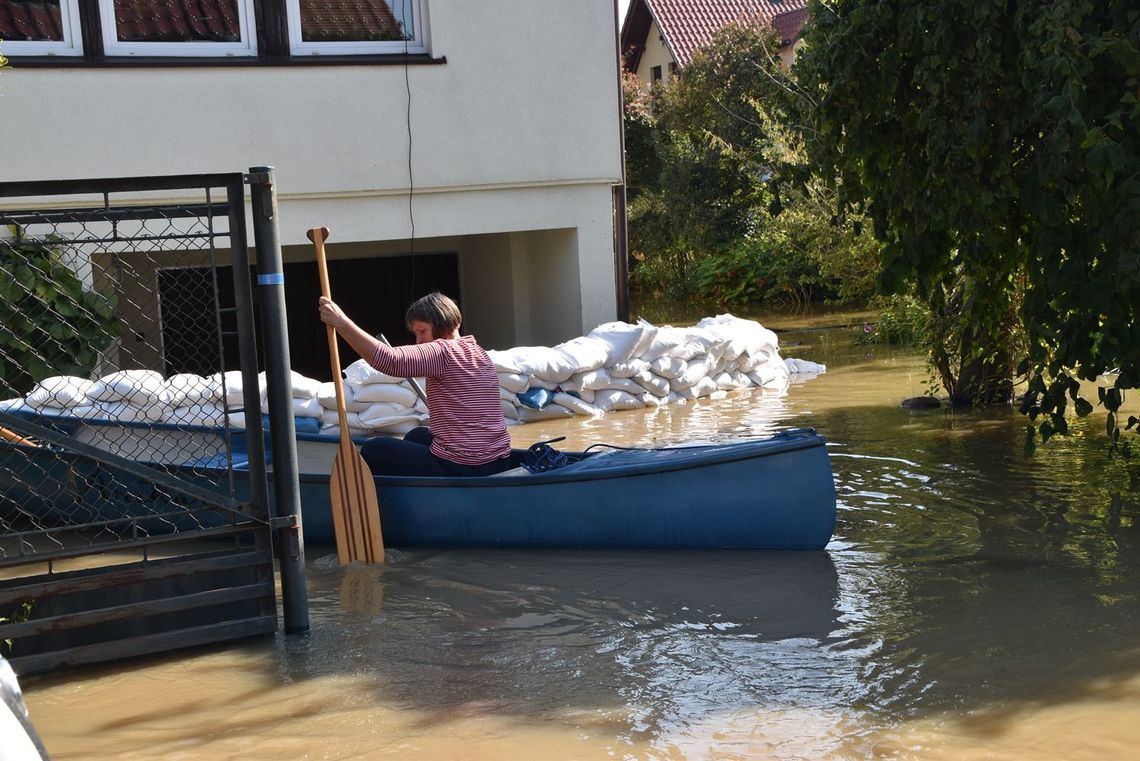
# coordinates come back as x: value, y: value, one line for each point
x: 467, y: 435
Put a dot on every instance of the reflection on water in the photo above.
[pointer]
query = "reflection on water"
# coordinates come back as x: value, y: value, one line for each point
x: 974, y: 604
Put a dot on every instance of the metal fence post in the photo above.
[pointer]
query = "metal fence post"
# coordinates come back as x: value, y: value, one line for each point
x: 282, y: 431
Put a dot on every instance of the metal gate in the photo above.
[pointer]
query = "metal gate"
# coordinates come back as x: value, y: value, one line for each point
x: 134, y: 504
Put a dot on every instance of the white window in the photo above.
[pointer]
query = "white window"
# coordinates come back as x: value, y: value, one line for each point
x: 178, y: 27
x: 40, y: 28
x: 348, y: 27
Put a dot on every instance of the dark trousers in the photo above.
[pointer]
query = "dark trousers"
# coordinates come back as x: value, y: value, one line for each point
x: 412, y: 456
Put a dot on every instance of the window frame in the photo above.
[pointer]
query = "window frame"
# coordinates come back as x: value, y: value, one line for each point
x: 417, y: 45
x: 70, y: 46
x: 112, y: 47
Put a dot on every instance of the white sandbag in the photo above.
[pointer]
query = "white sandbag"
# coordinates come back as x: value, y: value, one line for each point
x: 551, y: 411
x: 326, y: 395
x: 510, y: 409
x: 623, y: 341
x: 665, y: 340
x: 360, y: 373
x: 207, y: 414
x: 355, y: 433
x: 125, y: 412
x: 543, y: 362
x: 390, y: 423
x: 625, y: 384
x: 301, y: 407
x: 381, y: 410
x: 702, y: 388
x: 234, y: 387
x: 771, y: 374
x: 698, y: 342
x: 536, y: 382
x: 728, y: 381
x: 586, y: 395
x: 504, y: 362
x: 300, y: 386
x: 627, y: 369
x: 60, y: 391
x: 140, y: 387
x: 585, y: 352
x: 613, y: 399
x: 588, y: 381
x: 668, y: 367
x: 385, y: 392
x: 189, y: 389
x: 697, y: 369
x: 576, y: 405
x: 653, y: 384
x: 803, y: 366
x: 652, y: 400
x: 746, y: 337
x: 514, y: 382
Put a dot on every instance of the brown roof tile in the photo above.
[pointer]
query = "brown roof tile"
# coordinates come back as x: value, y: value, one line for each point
x: 690, y: 24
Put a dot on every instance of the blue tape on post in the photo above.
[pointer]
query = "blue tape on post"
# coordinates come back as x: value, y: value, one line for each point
x: 273, y: 278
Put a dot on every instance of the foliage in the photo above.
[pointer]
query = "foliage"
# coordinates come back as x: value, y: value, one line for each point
x: 721, y: 207
x: 995, y: 144
x: 902, y: 320
x: 22, y: 613
x: 49, y: 323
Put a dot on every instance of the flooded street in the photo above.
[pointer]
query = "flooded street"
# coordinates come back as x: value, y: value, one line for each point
x: 973, y: 605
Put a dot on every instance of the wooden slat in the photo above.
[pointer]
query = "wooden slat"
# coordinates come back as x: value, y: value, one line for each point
x: 135, y: 646
x: 135, y: 610
x: 44, y: 585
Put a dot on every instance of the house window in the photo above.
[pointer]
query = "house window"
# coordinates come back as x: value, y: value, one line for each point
x: 213, y: 28
x: 177, y: 27
x: 655, y: 73
x: 339, y: 27
x: 40, y: 28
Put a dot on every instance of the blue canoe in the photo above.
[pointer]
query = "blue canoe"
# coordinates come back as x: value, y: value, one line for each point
x: 771, y: 493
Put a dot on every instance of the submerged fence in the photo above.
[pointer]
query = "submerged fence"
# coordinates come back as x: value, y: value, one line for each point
x: 134, y: 503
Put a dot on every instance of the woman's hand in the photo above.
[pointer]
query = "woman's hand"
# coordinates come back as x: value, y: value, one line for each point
x: 331, y: 314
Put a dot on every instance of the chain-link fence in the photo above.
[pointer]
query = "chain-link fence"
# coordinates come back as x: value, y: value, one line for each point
x: 129, y: 395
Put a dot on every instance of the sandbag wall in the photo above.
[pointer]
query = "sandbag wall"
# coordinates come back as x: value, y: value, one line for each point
x: 616, y: 366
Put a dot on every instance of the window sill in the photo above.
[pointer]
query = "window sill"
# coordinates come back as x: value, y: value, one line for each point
x: 128, y: 62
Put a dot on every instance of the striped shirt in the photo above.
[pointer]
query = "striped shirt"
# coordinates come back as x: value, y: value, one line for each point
x: 466, y: 418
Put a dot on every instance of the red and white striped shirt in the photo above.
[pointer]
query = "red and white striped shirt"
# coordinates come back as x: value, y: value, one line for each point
x: 466, y: 418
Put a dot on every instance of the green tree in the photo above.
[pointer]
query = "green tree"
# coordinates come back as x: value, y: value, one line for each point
x: 49, y: 323
x: 996, y: 147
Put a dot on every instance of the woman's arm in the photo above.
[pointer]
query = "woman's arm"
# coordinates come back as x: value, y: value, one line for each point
x: 364, y: 344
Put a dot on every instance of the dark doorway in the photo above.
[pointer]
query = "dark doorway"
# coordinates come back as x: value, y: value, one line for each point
x: 374, y: 292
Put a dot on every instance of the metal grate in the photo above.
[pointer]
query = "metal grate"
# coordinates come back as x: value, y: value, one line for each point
x: 130, y: 407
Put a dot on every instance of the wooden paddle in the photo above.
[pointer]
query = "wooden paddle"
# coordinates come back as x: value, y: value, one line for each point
x: 16, y: 438
x: 355, y: 508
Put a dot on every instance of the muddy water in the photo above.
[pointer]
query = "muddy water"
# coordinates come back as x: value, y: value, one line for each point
x: 973, y: 605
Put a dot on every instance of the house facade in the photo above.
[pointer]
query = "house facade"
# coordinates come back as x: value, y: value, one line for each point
x: 410, y: 128
x: 659, y: 37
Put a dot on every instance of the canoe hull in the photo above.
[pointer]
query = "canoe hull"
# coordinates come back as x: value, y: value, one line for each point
x: 774, y: 494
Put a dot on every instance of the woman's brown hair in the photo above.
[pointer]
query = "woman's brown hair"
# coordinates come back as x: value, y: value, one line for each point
x: 436, y: 310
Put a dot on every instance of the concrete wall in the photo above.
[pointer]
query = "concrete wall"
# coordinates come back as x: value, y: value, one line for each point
x: 516, y: 134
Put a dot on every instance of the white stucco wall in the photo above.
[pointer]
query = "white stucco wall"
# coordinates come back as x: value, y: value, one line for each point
x: 517, y: 132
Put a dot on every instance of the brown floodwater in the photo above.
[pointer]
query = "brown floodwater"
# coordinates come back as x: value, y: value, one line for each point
x: 974, y: 604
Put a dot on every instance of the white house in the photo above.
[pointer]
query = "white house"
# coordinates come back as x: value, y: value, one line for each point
x: 493, y: 126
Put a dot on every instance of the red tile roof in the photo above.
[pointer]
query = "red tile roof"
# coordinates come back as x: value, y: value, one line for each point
x: 30, y: 21
x: 690, y: 24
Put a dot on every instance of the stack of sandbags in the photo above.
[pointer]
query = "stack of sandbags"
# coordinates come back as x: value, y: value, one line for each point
x: 375, y: 402
x: 620, y: 366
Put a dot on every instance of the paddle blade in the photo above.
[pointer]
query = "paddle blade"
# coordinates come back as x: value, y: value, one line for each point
x: 355, y: 508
